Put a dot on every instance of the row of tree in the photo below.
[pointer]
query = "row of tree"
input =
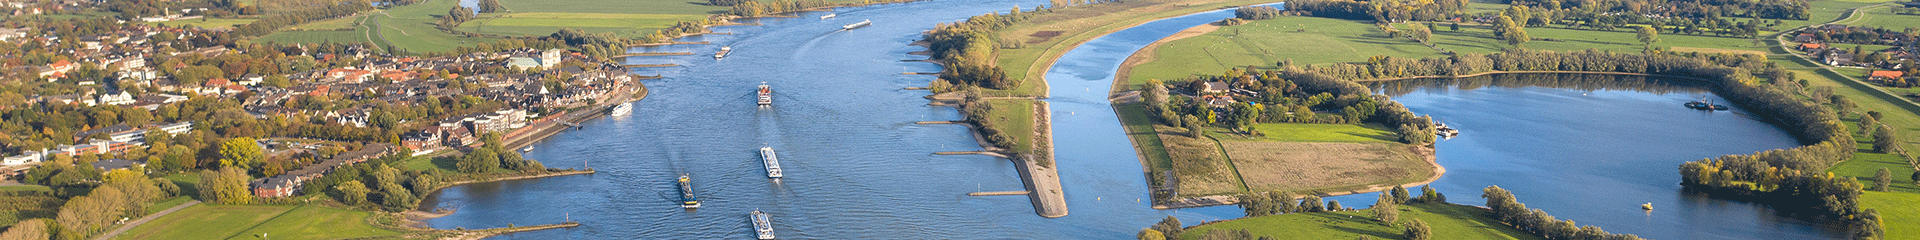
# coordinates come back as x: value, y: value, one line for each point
x: 120, y: 194
x: 1379, y: 10
x: 970, y: 49
x: 1506, y: 208
x: 272, y: 23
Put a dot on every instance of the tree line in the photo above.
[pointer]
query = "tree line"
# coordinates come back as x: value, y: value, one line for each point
x: 970, y: 49
x: 1379, y: 10
x: 1508, y: 209
x: 269, y: 24
x: 113, y: 195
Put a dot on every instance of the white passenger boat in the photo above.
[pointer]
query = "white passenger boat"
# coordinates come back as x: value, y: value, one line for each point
x: 762, y: 224
x: 621, y: 110
x: 829, y: 15
x: 862, y: 23
x: 773, y: 162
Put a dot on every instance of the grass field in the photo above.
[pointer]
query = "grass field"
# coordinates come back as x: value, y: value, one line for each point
x: 1324, y: 167
x: 1885, y: 18
x: 544, y: 23
x: 1079, y: 24
x: 211, y: 23
x: 1201, y: 167
x: 248, y: 221
x: 1447, y: 221
x: 167, y: 203
x: 1014, y: 118
x: 1302, y: 132
x: 1898, y: 213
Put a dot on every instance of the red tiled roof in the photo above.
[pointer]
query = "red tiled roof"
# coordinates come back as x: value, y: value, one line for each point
x: 1887, y: 74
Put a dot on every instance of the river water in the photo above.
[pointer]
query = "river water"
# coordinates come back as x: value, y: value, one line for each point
x: 858, y: 168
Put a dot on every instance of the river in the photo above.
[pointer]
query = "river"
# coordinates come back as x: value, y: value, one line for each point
x: 858, y: 168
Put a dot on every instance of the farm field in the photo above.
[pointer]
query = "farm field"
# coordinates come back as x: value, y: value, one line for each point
x: 1324, y: 167
x: 1448, y: 221
x: 544, y: 23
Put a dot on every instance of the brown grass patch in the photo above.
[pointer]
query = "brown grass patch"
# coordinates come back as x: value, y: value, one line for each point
x: 1324, y: 167
x: 1200, y: 168
x: 1043, y: 36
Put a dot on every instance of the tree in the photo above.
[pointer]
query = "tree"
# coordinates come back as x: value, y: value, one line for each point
x: 1194, y: 126
x: 1417, y: 230
x: 479, y: 161
x: 491, y: 6
x: 352, y: 192
x: 1648, y: 36
x: 1882, y: 180
x: 277, y: 81
x: 1169, y: 226
x: 1385, y: 210
x: 1915, y: 178
x: 1150, y: 234
x: 226, y: 186
x: 1400, y: 194
x: 1334, y: 205
x: 239, y: 152
x: 1311, y: 203
x: 1515, y: 35
x: 1884, y: 140
x: 1867, y: 124
x: 27, y: 229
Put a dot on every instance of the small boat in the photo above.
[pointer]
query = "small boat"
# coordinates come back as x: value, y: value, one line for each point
x: 1648, y: 206
x: 621, y: 110
x: 528, y: 149
x: 829, y: 15
x: 1703, y: 105
x: 766, y: 94
x: 1444, y: 131
x: 723, y: 52
x: 773, y: 162
x: 762, y: 224
x: 687, y: 200
x: 862, y: 23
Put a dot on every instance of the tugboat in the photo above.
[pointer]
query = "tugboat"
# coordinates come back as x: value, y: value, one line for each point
x: 1702, y: 105
x: 723, y: 52
x: 687, y: 200
x: 621, y: 110
x: 1648, y: 206
x: 761, y: 224
x: 862, y: 23
x: 766, y: 94
x: 829, y: 15
x: 773, y: 162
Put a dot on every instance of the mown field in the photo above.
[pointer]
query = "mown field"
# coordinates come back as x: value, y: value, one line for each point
x: 207, y: 221
x: 1447, y: 221
x: 1015, y: 119
x: 1324, y: 167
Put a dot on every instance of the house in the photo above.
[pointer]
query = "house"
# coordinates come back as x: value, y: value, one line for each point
x: 1804, y: 38
x: 1214, y: 87
x: 176, y: 128
x: 58, y: 67
x: 1885, y: 75
x: 117, y: 133
x: 276, y: 186
x: 551, y: 57
x: 251, y: 79
x: 522, y: 62
x: 349, y: 75
x: 25, y: 157
x: 122, y: 98
x: 9, y: 34
x: 112, y: 164
x: 1811, y: 46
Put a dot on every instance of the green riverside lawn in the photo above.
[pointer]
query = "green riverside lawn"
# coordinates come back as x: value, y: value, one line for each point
x: 206, y: 221
x: 1448, y: 221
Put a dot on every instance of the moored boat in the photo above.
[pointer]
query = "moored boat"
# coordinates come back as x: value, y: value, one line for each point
x: 621, y: 110
x: 772, y: 162
x: 762, y: 224
x: 829, y: 15
x: 862, y: 23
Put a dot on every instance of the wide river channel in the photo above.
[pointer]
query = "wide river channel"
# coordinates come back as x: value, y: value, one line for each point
x: 857, y: 167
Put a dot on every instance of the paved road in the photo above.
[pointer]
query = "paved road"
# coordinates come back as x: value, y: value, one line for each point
x: 136, y: 223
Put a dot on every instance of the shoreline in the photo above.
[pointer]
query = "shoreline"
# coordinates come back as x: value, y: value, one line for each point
x: 1146, y: 54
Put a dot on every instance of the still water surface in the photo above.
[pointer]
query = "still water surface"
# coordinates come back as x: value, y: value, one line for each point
x: 858, y: 168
